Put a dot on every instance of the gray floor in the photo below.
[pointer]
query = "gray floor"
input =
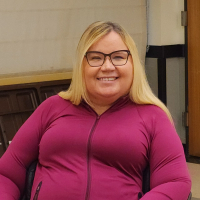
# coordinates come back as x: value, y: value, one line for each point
x: 194, y: 170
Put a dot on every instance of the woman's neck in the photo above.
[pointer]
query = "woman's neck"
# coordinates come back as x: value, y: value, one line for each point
x: 100, y: 109
x: 101, y: 106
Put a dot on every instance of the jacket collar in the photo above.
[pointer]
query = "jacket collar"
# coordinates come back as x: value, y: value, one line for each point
x: 118, y: 104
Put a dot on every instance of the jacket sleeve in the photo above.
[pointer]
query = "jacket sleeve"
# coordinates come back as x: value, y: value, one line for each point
x: 169, y: 176
x: 21, y: 152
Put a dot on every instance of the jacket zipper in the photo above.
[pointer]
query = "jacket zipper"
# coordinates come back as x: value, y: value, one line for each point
x: 88, y: 158
x: 37, y: 191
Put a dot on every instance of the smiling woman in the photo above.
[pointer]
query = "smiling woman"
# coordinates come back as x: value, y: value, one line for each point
x: 101, y: 134
x: 139, y: 92
x: 107, y: 82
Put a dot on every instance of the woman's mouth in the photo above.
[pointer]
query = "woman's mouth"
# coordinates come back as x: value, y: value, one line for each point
x: 107, y: 79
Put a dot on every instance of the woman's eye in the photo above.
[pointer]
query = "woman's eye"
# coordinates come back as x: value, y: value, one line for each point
x: 96, y: 58
x: 118, y: 57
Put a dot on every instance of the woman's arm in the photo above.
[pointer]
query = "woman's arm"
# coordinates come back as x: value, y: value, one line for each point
x: 21, y: 152
x: 169, y: 176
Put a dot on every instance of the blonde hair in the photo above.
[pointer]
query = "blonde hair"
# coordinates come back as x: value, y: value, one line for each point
x: 140, y: 91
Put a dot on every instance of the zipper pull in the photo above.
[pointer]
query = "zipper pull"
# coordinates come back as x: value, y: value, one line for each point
x: 37, y: 191
x: 139, y: 195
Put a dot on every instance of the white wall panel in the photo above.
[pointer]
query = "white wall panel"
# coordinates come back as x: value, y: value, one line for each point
x: 164, y: 22
x: 175, y: 85
x: 176, y: 92
x: 152, y: 74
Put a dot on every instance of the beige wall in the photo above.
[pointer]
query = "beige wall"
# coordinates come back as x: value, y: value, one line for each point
x: 40, y: 36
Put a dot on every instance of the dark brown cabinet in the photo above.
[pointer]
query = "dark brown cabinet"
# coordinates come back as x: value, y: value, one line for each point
x: 18, y: 102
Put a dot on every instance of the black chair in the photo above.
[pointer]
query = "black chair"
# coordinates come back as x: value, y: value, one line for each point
x: 31, y: 174
x: 29, y: 181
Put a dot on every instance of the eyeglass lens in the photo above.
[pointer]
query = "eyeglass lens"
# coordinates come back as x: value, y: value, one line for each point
x: 96, y: 59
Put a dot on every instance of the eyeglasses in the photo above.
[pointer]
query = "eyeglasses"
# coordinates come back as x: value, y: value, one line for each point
x: 97, y: 59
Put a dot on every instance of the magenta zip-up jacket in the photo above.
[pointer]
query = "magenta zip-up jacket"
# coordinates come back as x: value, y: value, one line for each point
x: 83, y: 156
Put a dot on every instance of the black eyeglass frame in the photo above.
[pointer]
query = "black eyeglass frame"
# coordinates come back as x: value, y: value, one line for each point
x: 105, y: 55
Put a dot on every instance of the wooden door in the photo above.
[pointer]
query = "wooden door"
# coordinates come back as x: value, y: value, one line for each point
x: 193, y: 8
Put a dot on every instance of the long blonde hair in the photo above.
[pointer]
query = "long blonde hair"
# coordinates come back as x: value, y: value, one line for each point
x: 140, y: 91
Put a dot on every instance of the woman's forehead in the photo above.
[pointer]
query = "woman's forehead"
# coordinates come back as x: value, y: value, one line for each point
x: 109, y: 43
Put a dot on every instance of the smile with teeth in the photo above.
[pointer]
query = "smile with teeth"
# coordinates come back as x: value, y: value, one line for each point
x: 107, y: 79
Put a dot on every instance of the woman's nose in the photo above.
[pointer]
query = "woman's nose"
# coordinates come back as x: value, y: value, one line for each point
x: 107, y: 65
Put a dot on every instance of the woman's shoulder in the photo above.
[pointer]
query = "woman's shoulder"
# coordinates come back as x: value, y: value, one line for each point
x: 155, y: 120
x: 152, y: 114
x: 52, y: 108
x: 53, y: 105
x: 149, y: 109
x: 57, y: 101
x: 56, y: 98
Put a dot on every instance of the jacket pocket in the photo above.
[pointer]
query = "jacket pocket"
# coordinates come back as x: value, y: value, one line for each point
x: 37, y: 191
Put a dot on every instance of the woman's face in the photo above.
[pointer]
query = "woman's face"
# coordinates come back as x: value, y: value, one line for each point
x: 106, y: 83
